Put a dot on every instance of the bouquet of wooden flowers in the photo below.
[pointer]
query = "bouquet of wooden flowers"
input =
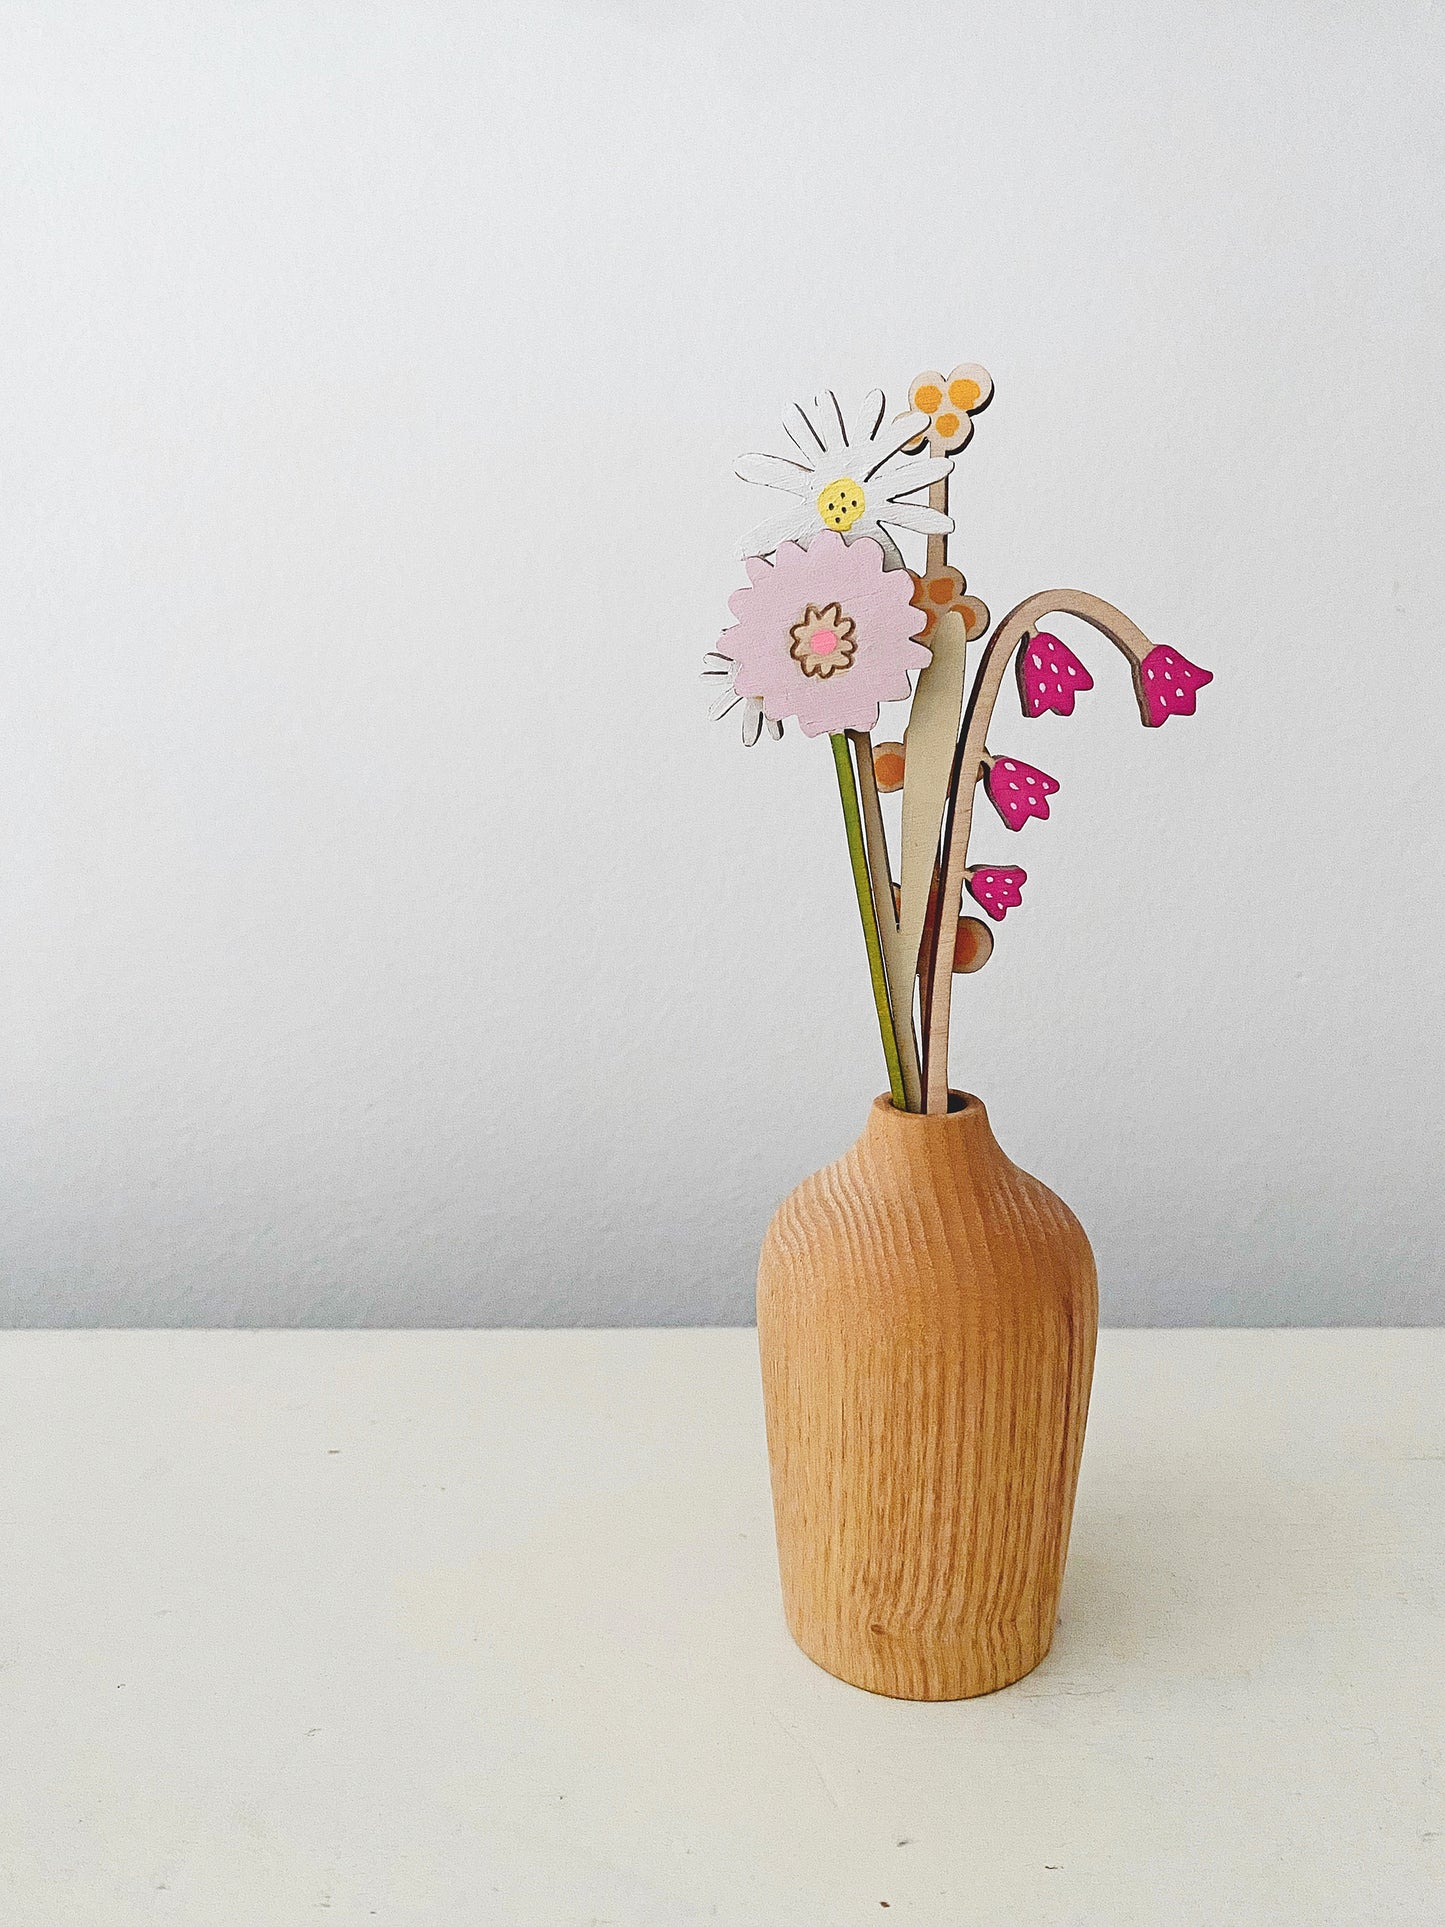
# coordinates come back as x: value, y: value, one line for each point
x: 835, y: 620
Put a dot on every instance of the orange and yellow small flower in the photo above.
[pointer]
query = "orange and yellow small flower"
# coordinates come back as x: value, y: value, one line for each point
x: 942, y: 590
x: 950, y: 403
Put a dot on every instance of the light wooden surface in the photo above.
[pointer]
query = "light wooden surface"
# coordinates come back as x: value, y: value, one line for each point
x: 930, y: 742
x: 926, y: 1322
x: 440, y: 1628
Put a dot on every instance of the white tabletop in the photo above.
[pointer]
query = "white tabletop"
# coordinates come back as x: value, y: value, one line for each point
x: 455, y: 1628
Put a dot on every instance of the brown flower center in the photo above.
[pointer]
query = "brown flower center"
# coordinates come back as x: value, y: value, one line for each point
x: 823, y: 641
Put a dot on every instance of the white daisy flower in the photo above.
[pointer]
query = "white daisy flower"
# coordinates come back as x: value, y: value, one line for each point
x: 725, y: 669
x: 850, y: 477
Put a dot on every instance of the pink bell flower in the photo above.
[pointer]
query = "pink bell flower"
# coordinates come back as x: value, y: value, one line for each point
x: 1018, y: 790
x: 1165, y: 683
x: 1050, y: 675
x: 997, y: 890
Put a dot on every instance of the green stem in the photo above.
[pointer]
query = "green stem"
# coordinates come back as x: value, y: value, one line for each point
x: 848, y: 790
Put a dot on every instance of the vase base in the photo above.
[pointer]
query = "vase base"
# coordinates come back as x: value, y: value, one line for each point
x: 901, y: 1667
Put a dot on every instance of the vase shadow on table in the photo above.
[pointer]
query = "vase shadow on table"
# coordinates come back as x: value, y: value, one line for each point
x: 1201, y: 1568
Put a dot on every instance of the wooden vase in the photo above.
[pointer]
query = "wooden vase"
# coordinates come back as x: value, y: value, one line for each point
x: 926, y: 1317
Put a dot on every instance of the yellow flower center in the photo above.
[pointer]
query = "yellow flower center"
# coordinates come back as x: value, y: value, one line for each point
x: 840, y: 504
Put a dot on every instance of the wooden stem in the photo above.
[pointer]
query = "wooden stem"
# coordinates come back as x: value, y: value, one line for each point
x: 858, y: 856
x: 931, y: 958
x: 931, y: 746
x: 1133, y: 644
x: 938, y: 544
x: 899, y: 967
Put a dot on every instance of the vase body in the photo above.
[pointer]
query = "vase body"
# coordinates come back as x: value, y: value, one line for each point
x: 926, y: 1320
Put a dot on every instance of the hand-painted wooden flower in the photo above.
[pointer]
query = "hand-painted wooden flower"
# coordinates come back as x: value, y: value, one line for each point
x: 850, y: 476
x: 1050, y: 675
x: 809, y: 609
x: 997, y: 890
x: 1166, y: 683
x: 942, y: 589
x: 1018, y: 790
x: 950, y: 403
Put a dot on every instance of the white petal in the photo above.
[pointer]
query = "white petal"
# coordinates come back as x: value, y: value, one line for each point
x: 873, y: 531
x: 775, y: 730
x: 891, y: 437
x: 865, y: 422
x: 918, y: 471
x: 829, y: 417
x: 791, y: 526
x: 715, y: 664
x: 752, y: 722
x: 798, y: 426
x: 837, y: 463
x: 774, y: 471
x: 727, y: 701
x: 918, y: 517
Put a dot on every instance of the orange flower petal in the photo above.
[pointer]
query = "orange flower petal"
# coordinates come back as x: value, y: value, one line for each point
x: 972, y: 946
x: 975, y: 616
x: 938, y: 590
x: 888, y: 766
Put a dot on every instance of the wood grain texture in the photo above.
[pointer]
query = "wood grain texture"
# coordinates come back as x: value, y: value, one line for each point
x: 930, y: 745
x: 926, y: 1320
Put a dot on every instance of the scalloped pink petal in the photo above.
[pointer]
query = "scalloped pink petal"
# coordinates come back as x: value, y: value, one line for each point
x: 880, y: 603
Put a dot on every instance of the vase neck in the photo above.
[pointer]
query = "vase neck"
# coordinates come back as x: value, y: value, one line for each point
x: 965, y: 1127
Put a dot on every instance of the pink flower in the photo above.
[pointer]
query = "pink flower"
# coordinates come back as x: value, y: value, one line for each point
x: 1018, y: 790
x: 1165, y: 683
x: 825, y: 633
x: 1050, y: 676
x: 997, y: 890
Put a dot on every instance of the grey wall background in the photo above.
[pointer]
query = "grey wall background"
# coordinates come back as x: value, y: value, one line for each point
x: 387, y: 936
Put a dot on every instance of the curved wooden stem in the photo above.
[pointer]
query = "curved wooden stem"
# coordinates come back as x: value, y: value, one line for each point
x: 1016, y: 625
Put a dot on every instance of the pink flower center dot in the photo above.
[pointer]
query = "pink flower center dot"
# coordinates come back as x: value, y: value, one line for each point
x: 823, y: 642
